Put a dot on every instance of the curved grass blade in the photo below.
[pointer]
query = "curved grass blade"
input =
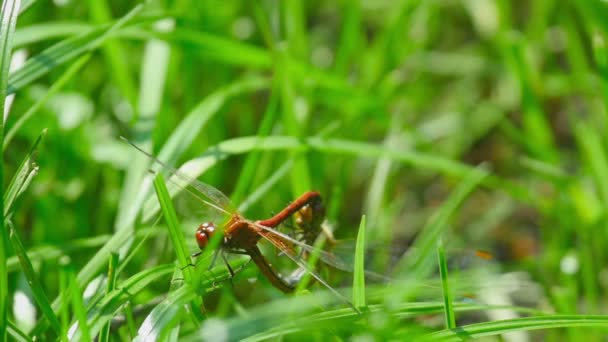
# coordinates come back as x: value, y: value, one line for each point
x: 65, y: 77
x: 22, y: 178
x: 78, y: 306
x: 175, y: 231
x: 39, y: 295
x: 163, y: 315
x: 16, y: 334
x: 106, y: 309
x: 104, y: 335
x: 450, y: 318
x: 8, y: 21
x: 179, y: 244
x: 519, y: 324
x: 65, y: 51
x: 359, y: 271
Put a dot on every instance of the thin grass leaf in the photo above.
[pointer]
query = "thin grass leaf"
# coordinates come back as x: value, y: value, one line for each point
x: 520, y: 324
x: 39, y: 295
x: 177, y: 238
x: 46, y: 31
x: 450, y: 318
x: 16, y: 334
x: 175, y: 231
x: 22, y: 178
x: 104, y: 335
x: 25, y: 5
x: 359, y: 271
x: 114, y: 53
x: 196, y: 120
x: 251, y: 165
x: 8, y: 20
x: 88, y: 272
x: 78, y: 306
x: 60, y: 83
x: 106, y: 309
x: 163, y: 315
x: 65, y: 51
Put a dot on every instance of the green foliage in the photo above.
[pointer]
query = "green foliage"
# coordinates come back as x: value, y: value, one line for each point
x: 432, y: 129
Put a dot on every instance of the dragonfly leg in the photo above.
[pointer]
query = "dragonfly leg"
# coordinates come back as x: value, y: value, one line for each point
x: 230, y: 270
x: 217, y: 251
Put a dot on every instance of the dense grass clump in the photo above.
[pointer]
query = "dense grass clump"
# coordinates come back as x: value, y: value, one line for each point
x: 460, y: 147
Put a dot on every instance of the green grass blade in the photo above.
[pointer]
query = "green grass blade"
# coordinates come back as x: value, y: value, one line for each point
x: 8, y: 20
x: 39, y: 295
x: 195, y: 121
x: 46, y: 31
x: 63, y: 52
x: 177, y: 238
x: 163, y: 315
x: 89, y: 271
x: 25, y: 4
x: 106, y: 309
x: 359, y: 271
x: 495, y: 328
x: 450, y: 318
x: 114, y: 53
x: 58, y: 85
x: 22, y: 177
x: 16, y: 334
x: 104, y: 335
x: 175, y: 231
x: 78, y: 306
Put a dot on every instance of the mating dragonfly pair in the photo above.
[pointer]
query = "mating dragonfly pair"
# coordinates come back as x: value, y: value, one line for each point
x: 241, y: 235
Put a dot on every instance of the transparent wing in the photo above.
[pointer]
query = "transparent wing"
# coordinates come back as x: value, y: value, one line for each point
x: 275, y: 239
x: 183, y: 178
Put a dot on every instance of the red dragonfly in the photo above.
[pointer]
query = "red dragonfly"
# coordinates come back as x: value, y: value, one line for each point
x: 241, y: 235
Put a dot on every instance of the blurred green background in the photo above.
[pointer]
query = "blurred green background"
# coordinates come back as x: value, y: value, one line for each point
x: 480, y: 122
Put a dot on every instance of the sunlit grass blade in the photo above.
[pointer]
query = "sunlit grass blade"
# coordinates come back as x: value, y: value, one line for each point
x: 163, y: 315
x: 106, y: 309
x: 114, y: 53
x: 175, y: 231
x: 495, y: 328
x: 39, y: 294
x: 359, y: 271
x: 78, y: 306
x: 58, y: 85
x: 23, y: 176
x: 198, y: 117
x: 177, y: 239
x: 25, y: 4
x: 252, y: 161
x: 8, y: 20
x: 104, y: 335
x: 63, y: 52
x: 88, y: 271
x: 450, y: 318
x: 16, y: 334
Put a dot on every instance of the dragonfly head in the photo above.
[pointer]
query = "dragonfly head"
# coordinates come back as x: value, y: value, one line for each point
x: 204, y: 233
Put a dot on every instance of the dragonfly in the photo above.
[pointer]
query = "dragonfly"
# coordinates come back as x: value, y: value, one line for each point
x: 241, y: 235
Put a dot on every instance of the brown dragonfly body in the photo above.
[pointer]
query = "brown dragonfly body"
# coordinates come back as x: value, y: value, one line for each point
x: 242, y: 236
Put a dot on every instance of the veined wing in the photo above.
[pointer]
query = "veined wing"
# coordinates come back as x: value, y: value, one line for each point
x: 270, y: 236
x: 181, y: 180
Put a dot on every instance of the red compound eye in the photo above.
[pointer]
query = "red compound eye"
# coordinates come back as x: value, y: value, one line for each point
x: 203, y: 234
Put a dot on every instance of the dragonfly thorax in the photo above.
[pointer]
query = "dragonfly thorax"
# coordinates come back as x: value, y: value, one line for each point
x: 204, y: 233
